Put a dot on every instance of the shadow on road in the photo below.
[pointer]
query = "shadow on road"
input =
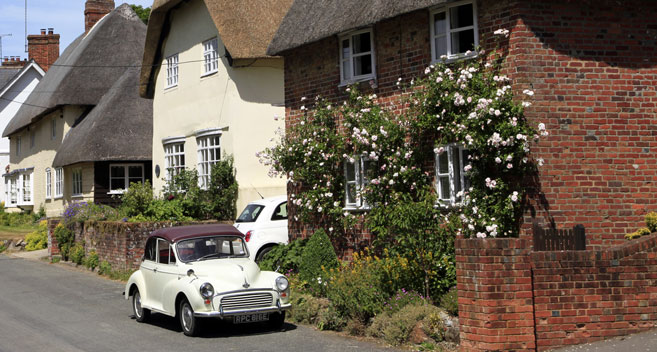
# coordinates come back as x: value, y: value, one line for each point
x: 216, y: 328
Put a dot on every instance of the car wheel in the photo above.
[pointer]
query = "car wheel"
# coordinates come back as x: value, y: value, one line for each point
x: 261, y: 255
x: 141, y: 313
x: 276, y: 320
x: 188, y: 322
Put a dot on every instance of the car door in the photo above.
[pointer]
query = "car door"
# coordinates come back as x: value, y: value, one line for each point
x: 148, y: 270
x: 159, y: 272
x: 278, y: 224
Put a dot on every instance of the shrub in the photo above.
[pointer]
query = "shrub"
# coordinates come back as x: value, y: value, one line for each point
x: 222, y: 190
x: 284, y: 257
x: 65, y: 239
x: 396, y: 328
x: 651, y: 221
x: 84, y: 211
x: 104, y: 268
x: 77, y: 254
x: 401, y: 299
x: 137, y: 198
x: 37, y: 239
x: 91, y: 262
x: 638, y: 233
x: 450, y: 301
x: 317, y: 256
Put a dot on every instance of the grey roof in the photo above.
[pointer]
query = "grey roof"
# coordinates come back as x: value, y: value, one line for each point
x: 87, y: 68
x: 308, y: 21
x: 6, y: 75
x: 120, y: 127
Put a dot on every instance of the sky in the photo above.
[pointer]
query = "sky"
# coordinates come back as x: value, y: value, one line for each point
x: 65, y: 16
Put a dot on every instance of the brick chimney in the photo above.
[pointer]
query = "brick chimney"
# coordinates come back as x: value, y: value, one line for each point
x: 43, y: 48
x: 94, y: 10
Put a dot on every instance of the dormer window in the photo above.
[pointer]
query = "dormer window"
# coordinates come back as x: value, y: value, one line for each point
x: 454, y: 32
x: 357, y: 57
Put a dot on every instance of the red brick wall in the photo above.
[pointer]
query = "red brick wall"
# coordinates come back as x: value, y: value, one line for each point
x: 593, y: 68
x: 513, y: 299
x: 94, y: 10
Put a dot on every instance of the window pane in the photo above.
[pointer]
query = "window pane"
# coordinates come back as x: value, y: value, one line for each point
x: 362, y: 43
x: 462, y: 41
x: 456, y: 162
x: 351, y: 193
x: 135, y: 180
x: 439, y: 24
x: 440, y: 44
x: 363, y: 65
x: 351, y: 171
x: 117, y: 171
x: 346, y: 70
x: 366, y: 167
x: 444, y: 187
x: 346, y: 52
x: 118, y: 183
x: 443, y: 163
x: 461, y: 16
x: 135, y: 171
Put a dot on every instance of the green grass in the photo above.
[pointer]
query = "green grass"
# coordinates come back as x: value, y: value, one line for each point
x: 12, y: 232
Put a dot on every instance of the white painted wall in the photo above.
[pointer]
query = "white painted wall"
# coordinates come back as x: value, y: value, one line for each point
x: 242, y: 101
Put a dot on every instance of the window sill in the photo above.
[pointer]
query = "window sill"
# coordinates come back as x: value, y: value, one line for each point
x: 59, y: 197
x: 77, y: 196
x: 356, y: 209
x: 456, y: 58
x: 211, y: 73
x: 359, y: 80
x: 115, y: 192
x: 170, y: 88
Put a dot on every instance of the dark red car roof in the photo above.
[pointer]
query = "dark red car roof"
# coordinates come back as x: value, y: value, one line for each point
x: 174, y: 234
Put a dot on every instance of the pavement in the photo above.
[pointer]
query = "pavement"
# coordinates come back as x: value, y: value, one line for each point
x: 641, y: 342
x: 34, y: 255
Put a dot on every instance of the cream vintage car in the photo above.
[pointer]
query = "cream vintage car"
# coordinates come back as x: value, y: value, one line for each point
x: 204, y: 271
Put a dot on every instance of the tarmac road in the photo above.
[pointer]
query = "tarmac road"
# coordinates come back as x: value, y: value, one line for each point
x: 46, y: 307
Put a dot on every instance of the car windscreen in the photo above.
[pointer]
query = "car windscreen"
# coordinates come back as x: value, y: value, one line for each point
x: 211, y: 247
x: 250, y: 213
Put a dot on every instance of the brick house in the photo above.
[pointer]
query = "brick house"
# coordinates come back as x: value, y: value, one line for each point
x: 592, y: 68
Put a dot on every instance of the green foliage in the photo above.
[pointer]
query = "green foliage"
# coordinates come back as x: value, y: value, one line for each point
x: 41, y: 214
x: 401, y: 299
x: 15, y: 219
x: 396, y: 328
x: 65, y: 239
x: 286, y: 258
x: 355, y: 290
x: 3, y: 247
x: 163, y: 210
x: 77, y: 253
x: 55, y: 259
x: 104, y: 268
x: 142, y: 12
x: 38, y: 239
x: 651, y: 221
x: 137, y: 198
x: 638, y: 233
x: 317, y: 257
x: 85, y: 211
x: 91, y: 261
x: 450, y: 302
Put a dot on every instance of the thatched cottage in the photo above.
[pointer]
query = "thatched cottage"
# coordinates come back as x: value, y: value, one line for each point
x: 84, y: 134
x: 215, y: 90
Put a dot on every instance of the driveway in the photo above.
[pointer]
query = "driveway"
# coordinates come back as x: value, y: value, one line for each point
x: 46, y: 307
x: 642, y: 342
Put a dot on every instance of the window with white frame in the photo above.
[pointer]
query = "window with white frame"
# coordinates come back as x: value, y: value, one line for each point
x: 174, y: 155
x: 53, y: 128
x: 355, y: 173
x: 48, y: 183
x: 172, y: 70
x: 454, y: 30
x: 18, y: 145
x: 122, y: 175
x: 209, y: 153
x: 77, y: 182
x: 357, y: 56
x: 26, y: 188
x: 210, y: 56
x: 450, y: 173
x: 59, y: 182
x: 13, y: 190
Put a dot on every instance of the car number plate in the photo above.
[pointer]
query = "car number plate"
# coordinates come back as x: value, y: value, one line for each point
x: 250, y: 318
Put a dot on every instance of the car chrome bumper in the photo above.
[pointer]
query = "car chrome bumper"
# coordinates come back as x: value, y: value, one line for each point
x: 221, y: 314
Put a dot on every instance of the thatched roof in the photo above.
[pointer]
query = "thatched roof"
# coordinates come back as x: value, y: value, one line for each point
x: 120, y: 127
x: 308, y: 21
x: 87, y: 68
x: 246, y: 27
x: 7, y: 75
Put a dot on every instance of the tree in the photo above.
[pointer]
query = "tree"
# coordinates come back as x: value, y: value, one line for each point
x: 142, y: 12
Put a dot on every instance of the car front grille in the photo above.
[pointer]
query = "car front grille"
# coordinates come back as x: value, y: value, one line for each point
x: 247, y: 301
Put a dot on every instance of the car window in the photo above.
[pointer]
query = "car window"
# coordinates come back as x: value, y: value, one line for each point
x: 164, y: 253
x: 211, y: 248
x: 250, y: 213
x: 280, y: 213
x: 150, y: 251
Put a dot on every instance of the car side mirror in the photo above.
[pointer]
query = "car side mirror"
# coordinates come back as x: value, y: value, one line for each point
x: 190, y: 272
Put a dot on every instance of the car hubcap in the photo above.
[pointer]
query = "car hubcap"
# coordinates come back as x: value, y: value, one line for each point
x: 137, y: 305
x: 187, y: 316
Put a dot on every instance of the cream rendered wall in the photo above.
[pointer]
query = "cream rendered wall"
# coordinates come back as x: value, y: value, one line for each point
x: 41, y: 157
x: 242, y: 101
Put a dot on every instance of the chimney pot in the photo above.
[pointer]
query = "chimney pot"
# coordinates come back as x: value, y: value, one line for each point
x: 51, y: 30
x: 43, y: 31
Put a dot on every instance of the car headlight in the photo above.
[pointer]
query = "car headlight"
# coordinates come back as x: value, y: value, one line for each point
x: 281, y: 283
x: 207, y: 290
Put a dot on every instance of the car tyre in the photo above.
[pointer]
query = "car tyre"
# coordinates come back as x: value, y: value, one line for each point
x: 188, y: 322
x: 276, y: 320
x: 263, y: 252
x: 141, y: 314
